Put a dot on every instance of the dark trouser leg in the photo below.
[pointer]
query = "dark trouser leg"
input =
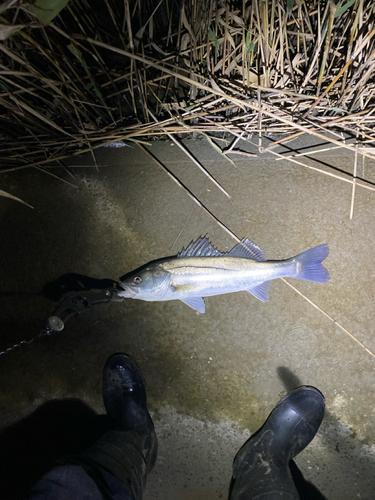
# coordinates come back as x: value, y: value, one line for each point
x: 119, y: 462
x: 127, y: 455
x: 73, y: 482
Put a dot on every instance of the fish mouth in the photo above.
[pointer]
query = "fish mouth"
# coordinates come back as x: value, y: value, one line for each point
x: 128, y: 292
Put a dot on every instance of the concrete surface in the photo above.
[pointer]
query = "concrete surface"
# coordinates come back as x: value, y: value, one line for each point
x: 212, y: 379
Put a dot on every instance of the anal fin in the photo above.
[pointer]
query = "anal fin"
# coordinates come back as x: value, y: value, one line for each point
x: 260, y: 291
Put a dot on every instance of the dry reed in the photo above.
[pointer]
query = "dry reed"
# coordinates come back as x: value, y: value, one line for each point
x: 108, y: 71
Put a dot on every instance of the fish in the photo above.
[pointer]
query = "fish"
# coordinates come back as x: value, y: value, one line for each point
x: 200, y: 270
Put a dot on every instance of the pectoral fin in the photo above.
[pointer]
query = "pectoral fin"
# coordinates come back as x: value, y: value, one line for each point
x: 196, y: 303
x: 260, y: 291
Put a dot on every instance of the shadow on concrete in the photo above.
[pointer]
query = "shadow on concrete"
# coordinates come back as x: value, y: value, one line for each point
x: 73, y: 282
x: 306, y: 490
x: 29, y: 448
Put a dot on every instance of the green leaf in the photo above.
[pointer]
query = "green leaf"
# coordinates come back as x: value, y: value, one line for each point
x: 212, y: 35
x: 216, y: 147
x: 343, y: 8
x: 340, y: 110
x: 250, y: 46
x: 46, y: 10
x: 214, y: 39
x: 289, y: 5
x: 78, y: 54
x: 73, y: 49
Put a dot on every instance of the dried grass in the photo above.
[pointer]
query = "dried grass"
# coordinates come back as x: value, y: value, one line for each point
x: 109, y: 71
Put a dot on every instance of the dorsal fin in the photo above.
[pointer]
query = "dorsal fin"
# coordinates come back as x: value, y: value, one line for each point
x: 247, y: 250
x: 202, y: 247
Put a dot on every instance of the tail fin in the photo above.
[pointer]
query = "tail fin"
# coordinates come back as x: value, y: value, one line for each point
x: 309, y: 264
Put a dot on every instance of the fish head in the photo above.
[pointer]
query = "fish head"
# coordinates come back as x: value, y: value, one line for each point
x: 146, y: 283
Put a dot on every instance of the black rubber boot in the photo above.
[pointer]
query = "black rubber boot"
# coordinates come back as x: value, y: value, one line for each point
x: 129, y: 451
x: 261, y: 467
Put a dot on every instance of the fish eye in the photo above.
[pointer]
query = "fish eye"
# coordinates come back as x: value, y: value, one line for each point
x: 137, y: 279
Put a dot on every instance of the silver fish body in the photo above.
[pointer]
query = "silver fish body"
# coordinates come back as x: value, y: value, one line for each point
x: 202, y: 271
